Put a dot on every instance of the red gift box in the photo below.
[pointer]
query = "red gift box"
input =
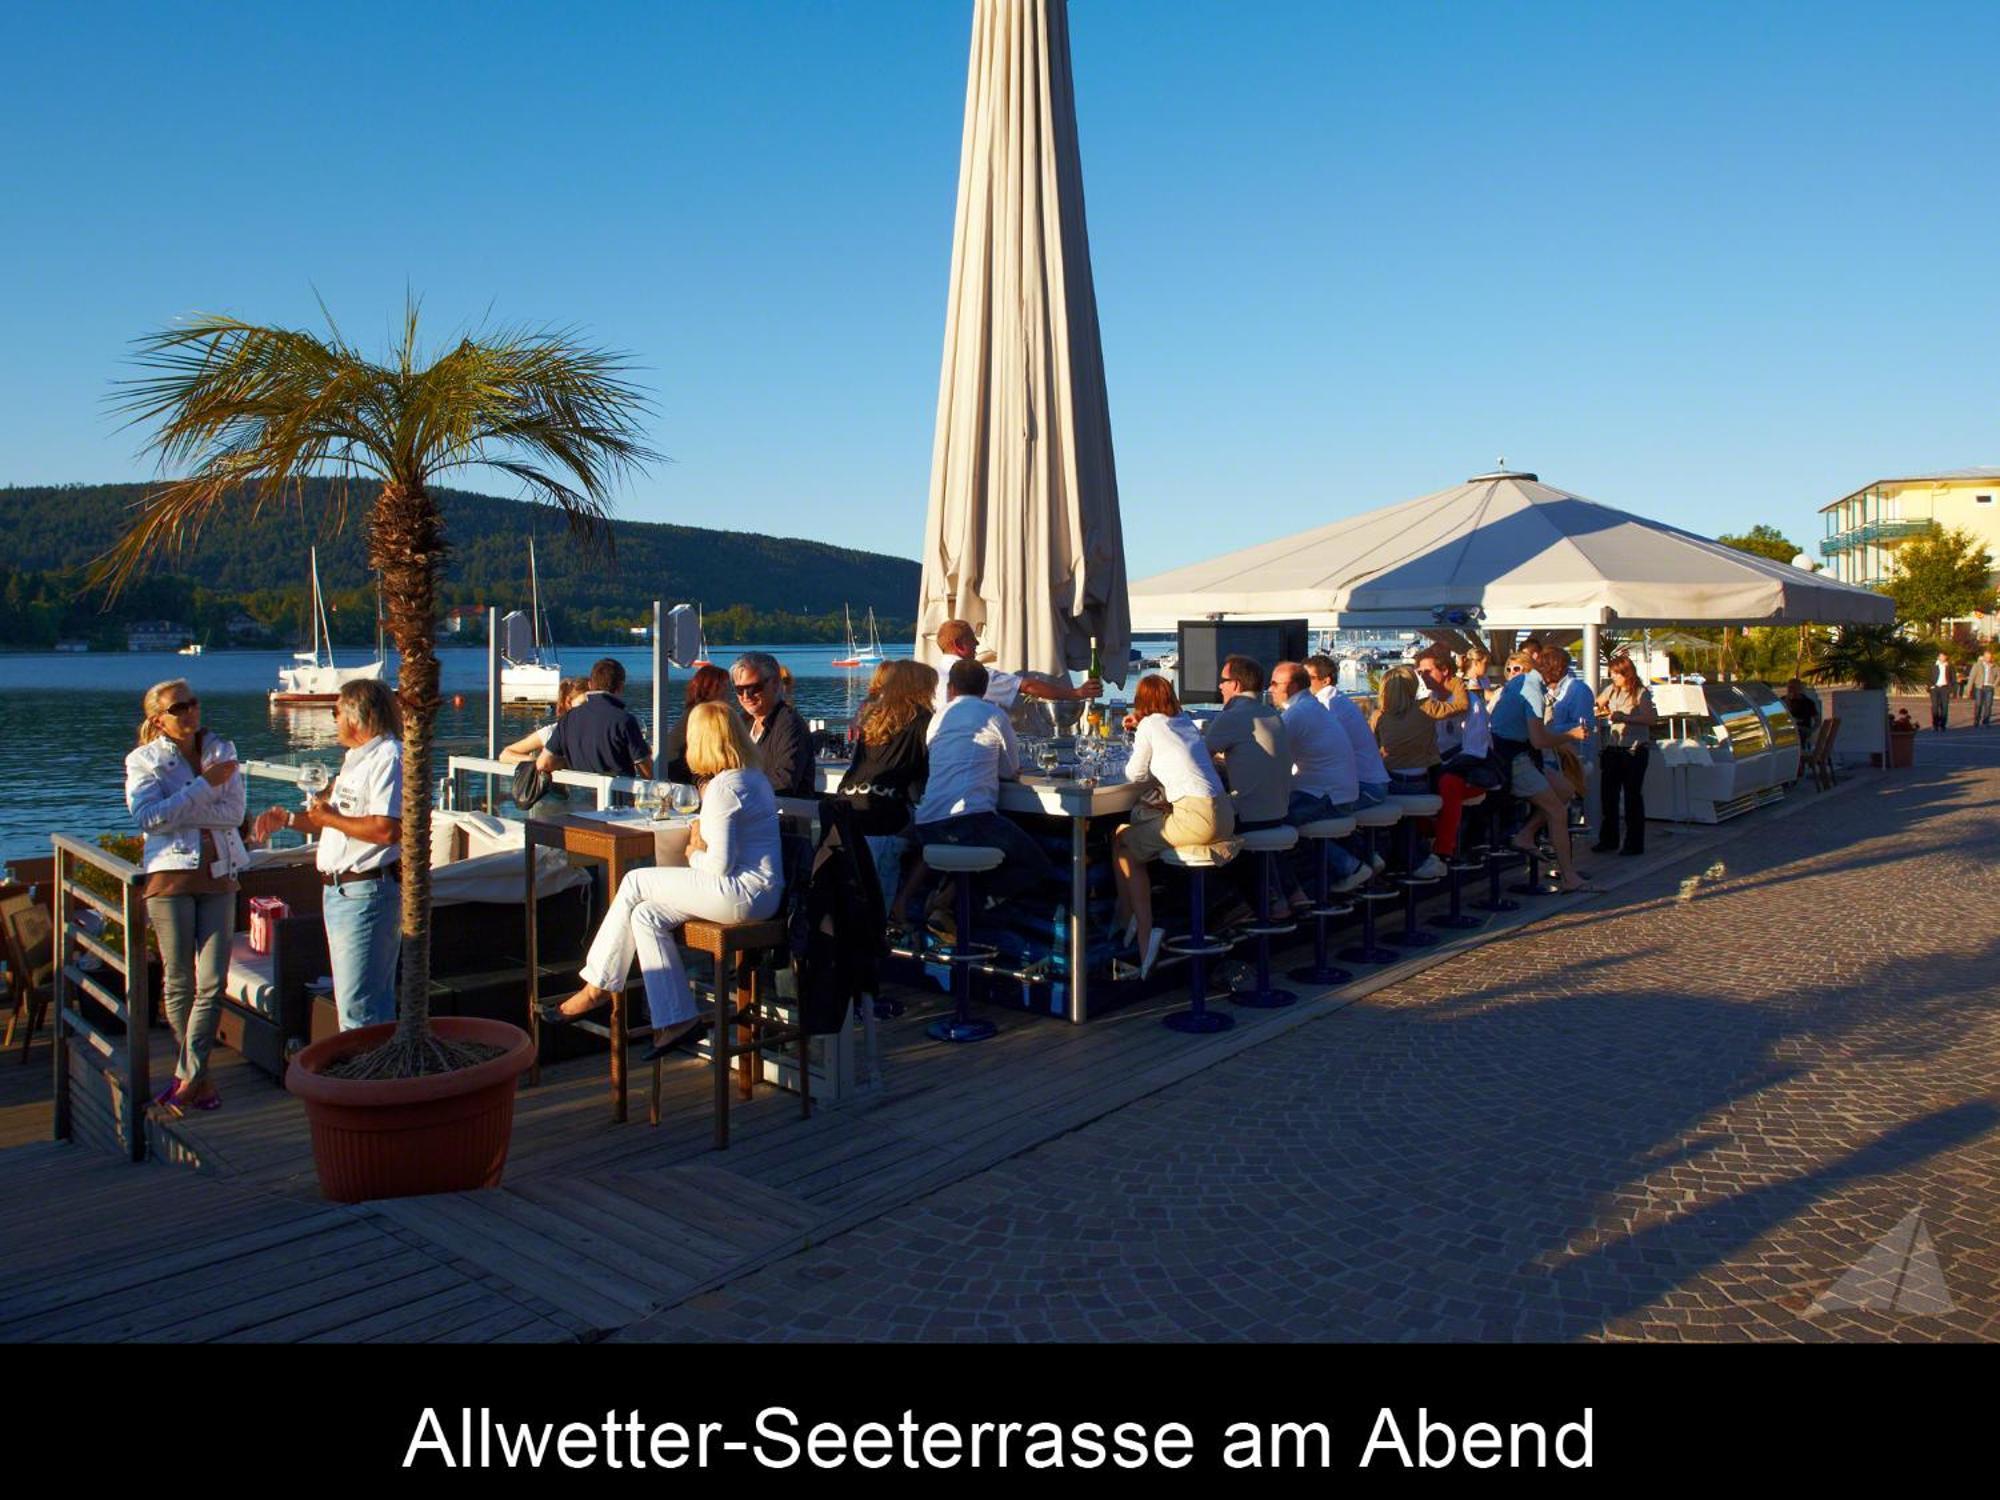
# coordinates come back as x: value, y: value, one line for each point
x: 264, y: 914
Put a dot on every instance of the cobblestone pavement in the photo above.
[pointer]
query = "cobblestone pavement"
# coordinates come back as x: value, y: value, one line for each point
x: 1754, y: 1096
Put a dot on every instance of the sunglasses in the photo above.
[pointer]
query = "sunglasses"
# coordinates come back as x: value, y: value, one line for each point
x: 752, y: 689
x: 186, y: 705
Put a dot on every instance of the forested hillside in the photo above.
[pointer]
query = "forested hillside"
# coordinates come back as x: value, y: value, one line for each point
x: 748, y: 583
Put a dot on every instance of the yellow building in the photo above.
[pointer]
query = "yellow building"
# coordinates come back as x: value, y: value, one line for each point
x: 1864, y: 529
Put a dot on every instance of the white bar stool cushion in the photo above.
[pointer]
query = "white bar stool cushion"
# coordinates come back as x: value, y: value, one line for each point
x: 963, y: 857
x: 1327, y: 828
x: 1201, y: 856
x: 1418, y: 804
x: 1270, y: 840
x: 1382, y: 815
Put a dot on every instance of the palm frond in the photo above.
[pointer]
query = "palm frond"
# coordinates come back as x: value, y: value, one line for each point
x: 247, y: 411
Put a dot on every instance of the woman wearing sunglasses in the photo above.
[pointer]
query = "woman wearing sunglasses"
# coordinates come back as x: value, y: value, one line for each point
x: 187, y: 796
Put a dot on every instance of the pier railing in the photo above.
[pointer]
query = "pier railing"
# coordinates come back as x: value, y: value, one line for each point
x: 105, y: 1027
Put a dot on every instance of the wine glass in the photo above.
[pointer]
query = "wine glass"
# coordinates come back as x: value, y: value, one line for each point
x: 312, y: 780
x: 683, y: 797
x: 1048, y: 757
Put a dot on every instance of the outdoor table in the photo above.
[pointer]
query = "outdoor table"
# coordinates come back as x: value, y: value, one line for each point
x: 1058, y: 797
x: 620, y: 845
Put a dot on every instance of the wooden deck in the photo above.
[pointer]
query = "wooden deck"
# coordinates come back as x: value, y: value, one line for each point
x: 224, y: 1236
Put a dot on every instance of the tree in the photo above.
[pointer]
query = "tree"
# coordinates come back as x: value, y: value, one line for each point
x: 1872, y: 657
x: 1764, y: 541
x: 258, y: 410
x: 1939, y: 575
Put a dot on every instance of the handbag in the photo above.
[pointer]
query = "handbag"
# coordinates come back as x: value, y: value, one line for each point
x: 530, y: 785
x: 1478, y: 770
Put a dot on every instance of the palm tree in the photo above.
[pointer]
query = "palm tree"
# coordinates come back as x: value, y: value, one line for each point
x: 253, y: 410
x: 1872, y: 657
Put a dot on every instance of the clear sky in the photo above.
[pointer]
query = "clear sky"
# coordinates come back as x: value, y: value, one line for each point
x: 1712, y: 263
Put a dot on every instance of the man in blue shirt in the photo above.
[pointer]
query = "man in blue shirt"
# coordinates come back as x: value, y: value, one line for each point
x: 599, y: 735
x: 1520, y: 737
x: 1572, y: 712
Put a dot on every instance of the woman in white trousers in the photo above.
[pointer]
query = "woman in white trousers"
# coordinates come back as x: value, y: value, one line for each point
x: 733, y: 874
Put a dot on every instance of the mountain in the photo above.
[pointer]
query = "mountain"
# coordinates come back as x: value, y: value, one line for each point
x: 48, y: 534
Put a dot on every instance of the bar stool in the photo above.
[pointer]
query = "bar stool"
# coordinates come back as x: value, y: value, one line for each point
x: 1371, y: 821
x: 1322, y: 833
x: 1497, y: 853
x: 1458, y: 917
x: 1196, y: 946
x: 1265, y: 845
x: 1414, y: 805
x: 964, y: 862
x: 737, y: 949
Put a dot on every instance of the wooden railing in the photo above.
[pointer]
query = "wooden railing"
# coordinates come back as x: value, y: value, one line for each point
x: 86, y: 1005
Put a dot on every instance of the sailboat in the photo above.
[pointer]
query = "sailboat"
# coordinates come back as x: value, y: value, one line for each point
x: 701, y: 634
x: 857, y: 658
x: 313, y: 677
x: 529, y: 671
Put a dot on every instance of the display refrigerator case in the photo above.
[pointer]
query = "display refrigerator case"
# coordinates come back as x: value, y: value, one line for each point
x: 1721, y: 749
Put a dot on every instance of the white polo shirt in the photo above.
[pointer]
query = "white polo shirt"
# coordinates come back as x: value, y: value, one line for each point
x: 1322, y: 760
x: 370, y: 784
x: 1002, y: 688
x: 971, y: 747
x: 1353, y: 723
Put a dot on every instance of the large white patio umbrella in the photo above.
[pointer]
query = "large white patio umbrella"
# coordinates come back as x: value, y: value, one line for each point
x: 1510, y: 552
x: 1022, y: 535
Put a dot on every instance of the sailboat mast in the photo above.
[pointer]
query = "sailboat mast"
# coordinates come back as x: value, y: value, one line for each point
x: 535, y: 591
x: 322, y: 631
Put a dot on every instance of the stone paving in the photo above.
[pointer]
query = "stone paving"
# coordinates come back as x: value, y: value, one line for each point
x: 1755, y: 1096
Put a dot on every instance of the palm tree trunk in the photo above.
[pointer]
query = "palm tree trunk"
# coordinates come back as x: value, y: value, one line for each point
x: 406, y: 544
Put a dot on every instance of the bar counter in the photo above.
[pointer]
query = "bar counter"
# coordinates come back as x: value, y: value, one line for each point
x: 1040, y: 796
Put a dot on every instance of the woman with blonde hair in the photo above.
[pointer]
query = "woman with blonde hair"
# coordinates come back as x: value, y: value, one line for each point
x: 185, y: 792
x: 892, y: 762
x: 1189, y: 807
x: 733, y: 874
x: 533, y: 743
x: 1409, y: 741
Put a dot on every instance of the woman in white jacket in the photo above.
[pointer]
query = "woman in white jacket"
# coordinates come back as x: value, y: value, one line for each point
x: 186, y: 794
x: 733, y: 874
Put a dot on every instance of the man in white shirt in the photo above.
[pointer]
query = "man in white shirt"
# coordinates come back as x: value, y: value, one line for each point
x: 958, y: 641
x: 1941, y: 693
x: 1324, y: 783
x: 359, y: 823
x: 1371, y: 775
x: 972, y: 747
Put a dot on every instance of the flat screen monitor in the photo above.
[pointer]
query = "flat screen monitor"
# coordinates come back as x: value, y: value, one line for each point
x: 1205, y: 644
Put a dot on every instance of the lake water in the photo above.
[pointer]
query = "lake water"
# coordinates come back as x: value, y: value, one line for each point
x: 70, y: 718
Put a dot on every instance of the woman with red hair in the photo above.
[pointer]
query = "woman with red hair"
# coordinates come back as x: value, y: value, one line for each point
x: 1187, y: 807
x: 709, y: 684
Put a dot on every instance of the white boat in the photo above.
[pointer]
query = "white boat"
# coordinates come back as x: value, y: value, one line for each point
x: 529, y: 670
x: 315, y: 678
x: 858, y: 658
x: 192, y: 648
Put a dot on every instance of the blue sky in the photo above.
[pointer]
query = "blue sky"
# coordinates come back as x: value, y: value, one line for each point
x: 1713, y: 263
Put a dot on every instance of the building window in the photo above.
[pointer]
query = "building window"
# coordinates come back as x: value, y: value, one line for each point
x: 1982, y: 499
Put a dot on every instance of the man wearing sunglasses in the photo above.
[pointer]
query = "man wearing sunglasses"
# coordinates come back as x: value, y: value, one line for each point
x: 780, y: 734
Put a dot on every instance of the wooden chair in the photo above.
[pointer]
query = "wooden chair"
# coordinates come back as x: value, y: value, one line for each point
x: 739, y: 1030
x: 1820, y: 761
x: 30, y: 951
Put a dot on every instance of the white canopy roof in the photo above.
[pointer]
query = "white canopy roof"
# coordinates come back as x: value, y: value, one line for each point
x: 1522, y: 554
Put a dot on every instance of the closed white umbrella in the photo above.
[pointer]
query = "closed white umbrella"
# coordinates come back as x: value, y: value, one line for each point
x: 1022, y: 536
x: 1522, y: 554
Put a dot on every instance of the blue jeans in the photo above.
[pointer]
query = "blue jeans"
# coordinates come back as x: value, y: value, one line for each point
x: 363, y: 940
x: 1373, y: 793
x: 1982, y: 706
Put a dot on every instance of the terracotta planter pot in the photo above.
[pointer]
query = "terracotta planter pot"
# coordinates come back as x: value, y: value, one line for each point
x: 399, y: 1137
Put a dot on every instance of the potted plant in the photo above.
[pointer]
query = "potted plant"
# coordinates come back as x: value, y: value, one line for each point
x: 1873, y: 658
x: 417, y: 1105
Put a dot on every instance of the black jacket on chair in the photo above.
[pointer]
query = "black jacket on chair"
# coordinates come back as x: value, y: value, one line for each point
x: 837, y: 920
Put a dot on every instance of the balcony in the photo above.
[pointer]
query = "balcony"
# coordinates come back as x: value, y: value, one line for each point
x: 1875, y: 532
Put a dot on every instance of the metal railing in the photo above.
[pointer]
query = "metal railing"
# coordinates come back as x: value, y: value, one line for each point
x: 120, y: 1059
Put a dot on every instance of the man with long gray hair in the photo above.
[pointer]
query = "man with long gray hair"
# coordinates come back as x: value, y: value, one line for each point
x: 359, y: 823
x: 781, y: 736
